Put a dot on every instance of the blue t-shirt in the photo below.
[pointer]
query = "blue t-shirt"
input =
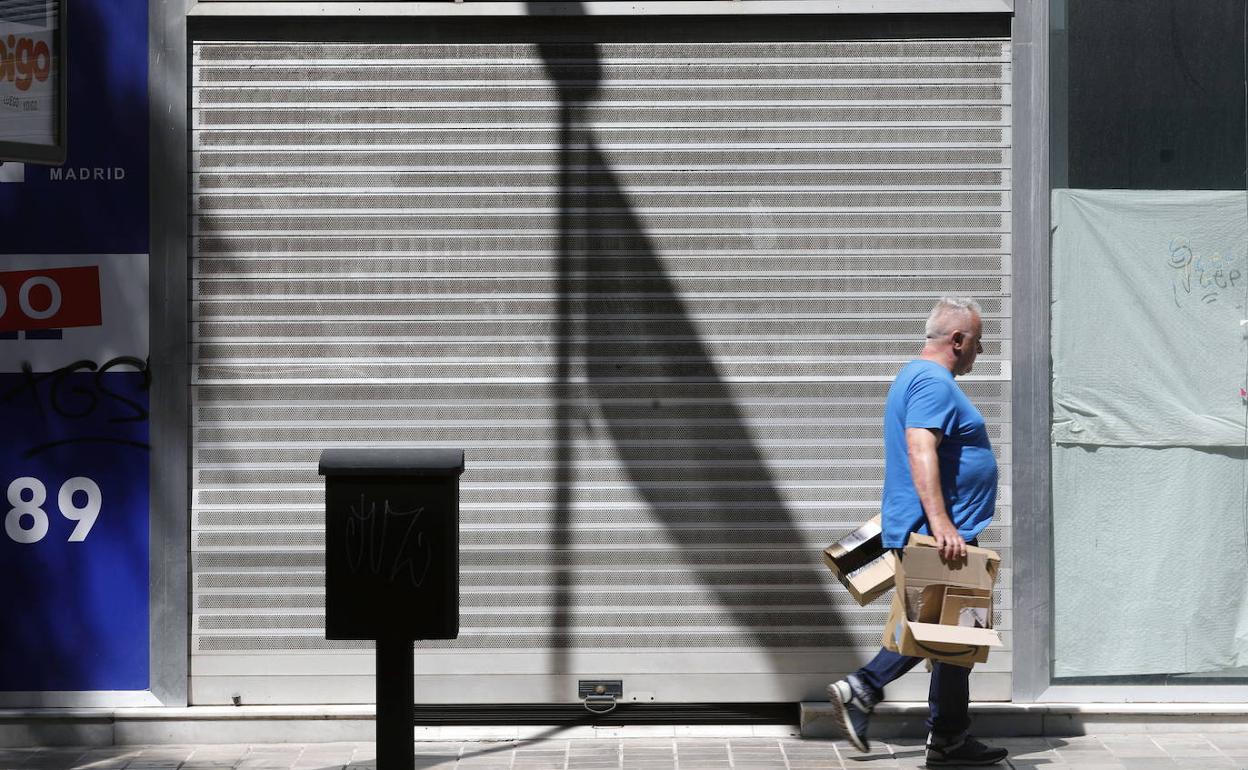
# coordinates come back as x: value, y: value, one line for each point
x: 924, y: 395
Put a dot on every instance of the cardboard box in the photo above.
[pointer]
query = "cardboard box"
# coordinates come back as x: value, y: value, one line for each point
x: 861, y: 563
x: 933, y: 595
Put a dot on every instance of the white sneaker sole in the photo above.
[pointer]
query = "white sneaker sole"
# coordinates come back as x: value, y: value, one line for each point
x: 840, y: 713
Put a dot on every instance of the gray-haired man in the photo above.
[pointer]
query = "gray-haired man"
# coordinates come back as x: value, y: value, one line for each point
x: 940, y: 478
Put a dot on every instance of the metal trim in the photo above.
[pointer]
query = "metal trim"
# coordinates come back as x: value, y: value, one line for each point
x: 78, y: 699
x: 169, y: 303
x: 1151, y: 700
x: 597, y: 8
x: 1033, y: 551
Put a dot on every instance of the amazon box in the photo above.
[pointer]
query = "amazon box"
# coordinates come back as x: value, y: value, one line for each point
x: 861, y: 563
x: 943, y: 609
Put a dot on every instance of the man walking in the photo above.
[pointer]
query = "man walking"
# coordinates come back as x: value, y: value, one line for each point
x: 940, y: 478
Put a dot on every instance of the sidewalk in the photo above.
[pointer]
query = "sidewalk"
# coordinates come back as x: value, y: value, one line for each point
x: 785, y: 751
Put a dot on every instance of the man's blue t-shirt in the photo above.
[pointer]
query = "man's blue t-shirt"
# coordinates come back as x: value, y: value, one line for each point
x: 924, y: 395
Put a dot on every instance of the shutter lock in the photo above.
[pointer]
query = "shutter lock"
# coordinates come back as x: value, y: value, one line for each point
x: 600, y: 696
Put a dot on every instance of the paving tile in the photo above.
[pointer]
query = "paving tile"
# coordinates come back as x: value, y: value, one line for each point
x: 1135, y: 750
x: 1051, y: 757
x: 15, y: 756
x: 232, y: 749
x: 1090, y: 758
x: 712, y: 731
x: 649, y: 731
x: 1234, y: 752
x: 1217, y: 762
x: 810, y: 749
x: 116, y: 763
x: 1192, y: 752
x: 55, y: 757
x: 471, y: 753
x: 103, y: 759
x: 644, y: 754
x: 1075, y: 741
x: 265, y: 763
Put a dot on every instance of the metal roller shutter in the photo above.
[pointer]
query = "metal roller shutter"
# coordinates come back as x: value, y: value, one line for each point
x: 657, y: 300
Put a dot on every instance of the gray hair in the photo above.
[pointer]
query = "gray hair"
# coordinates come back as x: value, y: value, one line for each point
x: 948, y: 312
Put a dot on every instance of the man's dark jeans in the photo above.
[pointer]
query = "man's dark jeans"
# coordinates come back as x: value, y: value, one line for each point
x: 948, y: 695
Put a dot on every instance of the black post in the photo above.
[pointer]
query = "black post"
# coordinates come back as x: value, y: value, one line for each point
x: 396, y: 712
x: 392, y: 569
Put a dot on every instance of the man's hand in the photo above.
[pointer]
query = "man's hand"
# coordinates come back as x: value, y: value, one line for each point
x: 949, y: 541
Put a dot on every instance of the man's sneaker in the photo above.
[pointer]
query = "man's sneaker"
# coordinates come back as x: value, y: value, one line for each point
x: 851, y: 712
x: 961, y: 751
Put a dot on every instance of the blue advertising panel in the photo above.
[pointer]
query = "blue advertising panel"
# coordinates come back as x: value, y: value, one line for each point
x: 74, y: 377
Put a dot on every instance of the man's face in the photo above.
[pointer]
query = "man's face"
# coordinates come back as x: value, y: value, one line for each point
x: 966, y: 344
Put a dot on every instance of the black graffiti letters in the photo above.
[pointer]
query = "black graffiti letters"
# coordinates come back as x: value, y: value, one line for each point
x: 64, y: 396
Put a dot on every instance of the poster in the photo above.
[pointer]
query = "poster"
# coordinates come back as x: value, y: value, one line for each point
x: 74, y: 378
x: 29, y: 93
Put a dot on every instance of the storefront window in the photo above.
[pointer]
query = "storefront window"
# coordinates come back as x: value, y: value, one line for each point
x: 1150, y: 362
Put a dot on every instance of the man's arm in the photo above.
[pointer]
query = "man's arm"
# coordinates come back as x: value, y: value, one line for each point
x: 921, y: 446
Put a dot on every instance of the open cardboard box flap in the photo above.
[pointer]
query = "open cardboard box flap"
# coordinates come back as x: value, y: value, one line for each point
x: 937, y: 633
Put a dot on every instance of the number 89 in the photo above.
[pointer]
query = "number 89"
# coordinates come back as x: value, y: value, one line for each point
x: 31, y: 511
